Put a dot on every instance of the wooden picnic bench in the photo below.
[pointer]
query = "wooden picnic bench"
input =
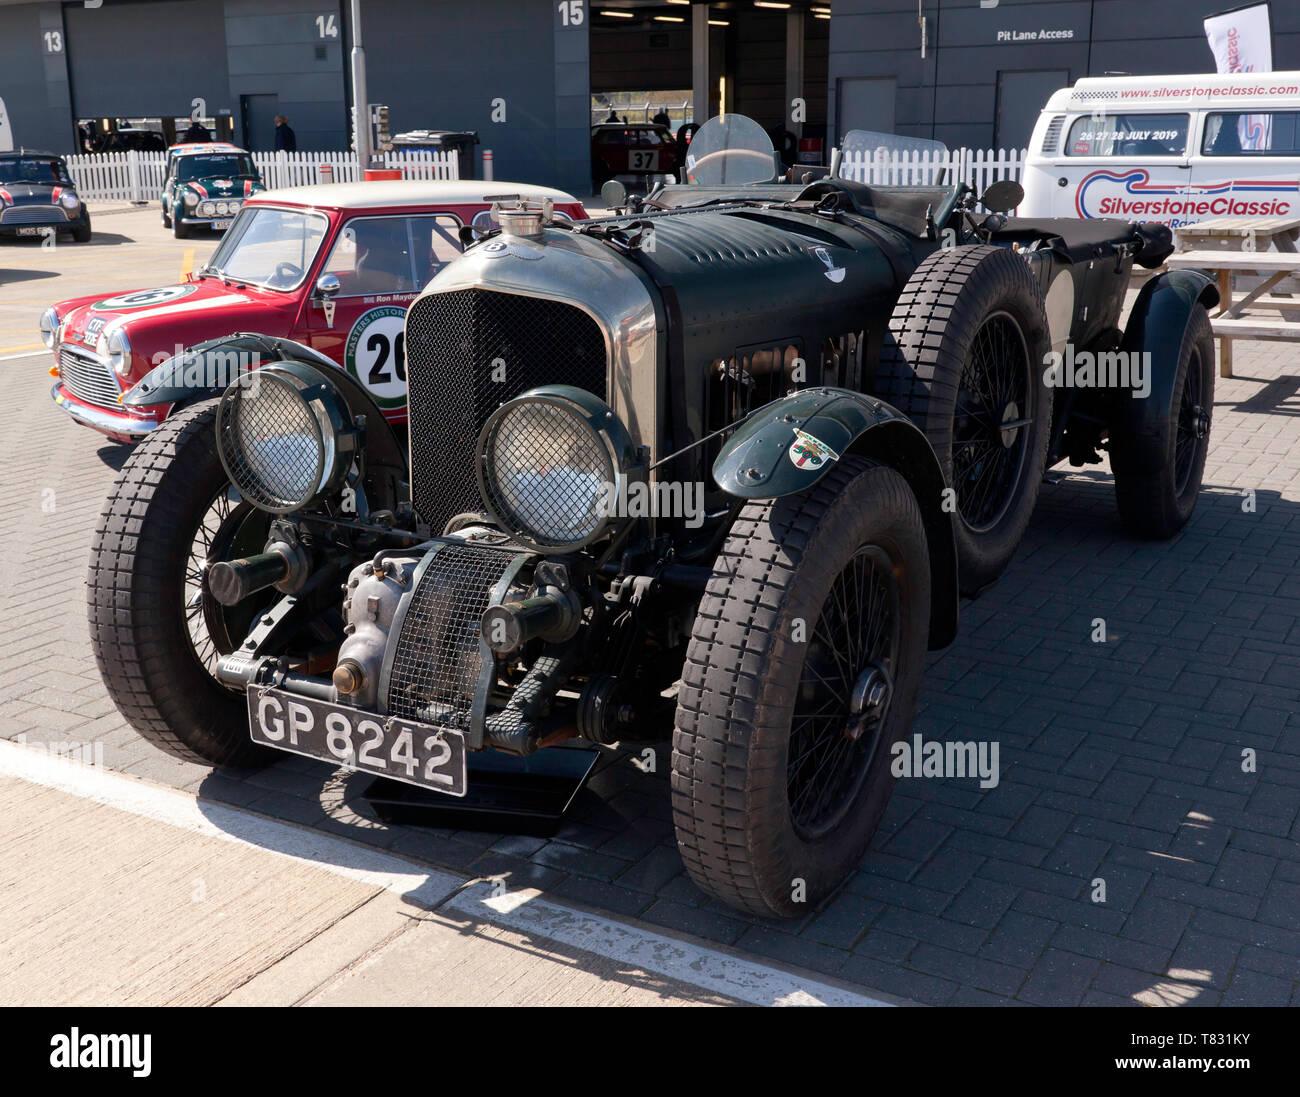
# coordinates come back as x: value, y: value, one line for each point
x: 1228, y: 246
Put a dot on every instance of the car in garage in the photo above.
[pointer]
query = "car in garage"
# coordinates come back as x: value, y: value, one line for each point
x: 205, y: 186
x: 332, y: 266
x: 632, y: 152
x: 38, y: 197
x: 713, y: 470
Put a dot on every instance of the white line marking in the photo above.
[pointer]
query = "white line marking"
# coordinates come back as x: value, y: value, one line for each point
x: 29, y: 354
x: 707, y: 968
x: 697, y: 965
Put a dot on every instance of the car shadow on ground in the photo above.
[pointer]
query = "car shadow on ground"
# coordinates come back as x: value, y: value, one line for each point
x: 13, y: 274
x: 1121, y: 680
x: 114, y: 454
x: 97, y: 239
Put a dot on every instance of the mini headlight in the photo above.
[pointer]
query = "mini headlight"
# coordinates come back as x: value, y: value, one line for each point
x: 70, y: 200
x: 191, y: 199
x: 119, y: 351
x: 222, y: 207
x: 549, y: 466
x: 285, y: 436
x: 50, y: 327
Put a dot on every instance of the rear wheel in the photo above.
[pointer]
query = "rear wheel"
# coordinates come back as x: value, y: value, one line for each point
x: 963, y: 358
x: 802, y: 672
x: 1158, y: 448
x: 156, y: 632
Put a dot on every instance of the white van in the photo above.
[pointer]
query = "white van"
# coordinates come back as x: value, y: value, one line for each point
x: 1174, y: 149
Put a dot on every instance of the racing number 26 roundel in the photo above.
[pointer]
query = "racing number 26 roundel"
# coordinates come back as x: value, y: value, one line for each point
x: 376, y: 354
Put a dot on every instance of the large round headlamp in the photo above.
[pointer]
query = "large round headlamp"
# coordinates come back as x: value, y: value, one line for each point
x: 285, y: 436
x: 551, y: 467
x: 191, y: 199
x: 50, y: 327
x: 119, y: 351
x: 70, y: 200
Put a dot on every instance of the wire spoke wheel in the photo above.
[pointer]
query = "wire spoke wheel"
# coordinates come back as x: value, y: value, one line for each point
x: 1193, y: 425
x: 991, y: 423
x: 229, y: 528
x: 844, y: 693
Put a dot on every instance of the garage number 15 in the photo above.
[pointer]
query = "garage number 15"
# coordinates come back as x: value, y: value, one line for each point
x: 571, y: 13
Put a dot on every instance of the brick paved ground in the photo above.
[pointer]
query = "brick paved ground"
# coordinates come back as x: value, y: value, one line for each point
x: 1120, y: 761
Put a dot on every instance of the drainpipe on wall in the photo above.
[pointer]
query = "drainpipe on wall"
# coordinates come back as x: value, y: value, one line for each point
x: 360, y: 111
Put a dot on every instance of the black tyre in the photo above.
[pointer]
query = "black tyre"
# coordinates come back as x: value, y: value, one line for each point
x: 964, y: 359
x: 167, y: 221
x: 1158, y: 448
x: 81, y: 232
x: 180, y: 230
x: 155, y: 631
x: 802, y: 671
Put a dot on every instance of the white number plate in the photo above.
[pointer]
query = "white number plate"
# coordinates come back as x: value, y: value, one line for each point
x: 643, y: 161
x: 417, y: 754
x: 223, y: 225
x: 31, y: 230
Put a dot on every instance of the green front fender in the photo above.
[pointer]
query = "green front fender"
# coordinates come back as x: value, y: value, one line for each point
x: 787, y: 446
x: 1157, y: 322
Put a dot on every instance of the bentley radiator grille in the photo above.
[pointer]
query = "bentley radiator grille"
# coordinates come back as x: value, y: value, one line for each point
x: 467, y: 352
x: 438, y: 660
x: 87, y: 378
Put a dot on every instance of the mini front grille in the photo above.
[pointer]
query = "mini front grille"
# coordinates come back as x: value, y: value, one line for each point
x: 87, y: 378
x: 32, y: 215
x: 467, y: 352
x: 438, y: 661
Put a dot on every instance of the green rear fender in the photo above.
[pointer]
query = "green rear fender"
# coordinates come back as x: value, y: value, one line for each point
x: 788, y: 445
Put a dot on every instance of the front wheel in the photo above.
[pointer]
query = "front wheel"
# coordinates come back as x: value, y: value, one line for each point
x: 156, y: 632
x: 1158, y: 448
x: 802, y: 671
x: 180, y: 230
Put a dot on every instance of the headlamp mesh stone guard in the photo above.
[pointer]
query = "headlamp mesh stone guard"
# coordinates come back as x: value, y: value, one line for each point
x: 468, y: 352
x: 438, y: 662
x: 545, y: 473
x: 270, y: 443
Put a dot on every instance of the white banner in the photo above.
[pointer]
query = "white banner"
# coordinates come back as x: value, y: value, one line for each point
x: 1242, y: 41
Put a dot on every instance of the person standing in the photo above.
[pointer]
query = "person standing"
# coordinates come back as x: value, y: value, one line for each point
x: 285, y: 139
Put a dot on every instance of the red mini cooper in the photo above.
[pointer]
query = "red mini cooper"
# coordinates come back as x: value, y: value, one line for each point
x: 331, y: 266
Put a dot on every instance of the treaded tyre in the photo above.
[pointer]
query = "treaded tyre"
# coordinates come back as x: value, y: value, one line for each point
x: 802, y: 671
x: 1158, y: 450
x: 155, y: 631
x: 81, y: 234
x: 180, y: 230
x: 963, y: 358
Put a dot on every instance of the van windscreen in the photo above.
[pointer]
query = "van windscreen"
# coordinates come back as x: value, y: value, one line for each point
x: 1128, y: 135
x: 1233, y: 133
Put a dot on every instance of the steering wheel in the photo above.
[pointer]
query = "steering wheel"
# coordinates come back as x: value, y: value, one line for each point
x: 286, y: 273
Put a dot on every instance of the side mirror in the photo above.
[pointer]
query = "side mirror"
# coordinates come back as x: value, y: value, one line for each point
x: 1003, y: 196
x: 613, y: 194
x: 327, y: 286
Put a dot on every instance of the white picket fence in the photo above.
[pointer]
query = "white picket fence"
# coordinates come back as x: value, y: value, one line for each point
x: 978, y: 167
x: 138, y: 176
